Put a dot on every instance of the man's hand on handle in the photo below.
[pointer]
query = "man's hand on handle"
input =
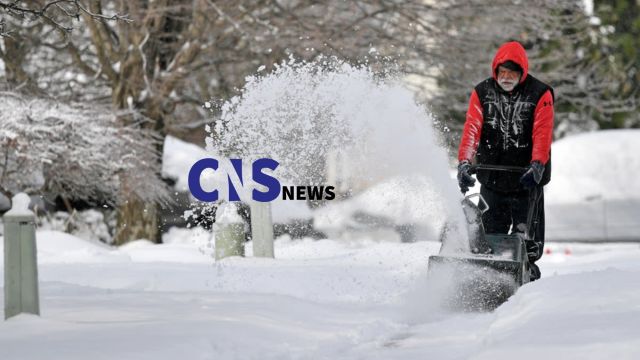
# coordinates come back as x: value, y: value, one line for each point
x: 465, y: 180
x: 533, y: 175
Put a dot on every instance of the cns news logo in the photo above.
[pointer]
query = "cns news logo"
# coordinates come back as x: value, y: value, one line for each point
x: 272, y: 185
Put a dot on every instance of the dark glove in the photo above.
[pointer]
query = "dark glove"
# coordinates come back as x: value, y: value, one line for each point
x: 534, y: 250
x: 464, y: 176
x: 533, y: 175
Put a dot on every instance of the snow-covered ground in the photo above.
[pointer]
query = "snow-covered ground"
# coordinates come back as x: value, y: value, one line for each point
x: 339, y: 299
x: 324, y: 299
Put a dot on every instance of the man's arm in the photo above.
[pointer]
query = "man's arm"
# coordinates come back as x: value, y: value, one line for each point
x: 472, y: 129
x: 543, y: 128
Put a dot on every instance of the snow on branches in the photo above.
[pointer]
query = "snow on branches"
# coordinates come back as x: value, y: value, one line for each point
x: 59, y: 13
x: 76, y: 151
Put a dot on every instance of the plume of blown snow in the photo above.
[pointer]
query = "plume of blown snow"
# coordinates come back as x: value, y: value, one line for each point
x: 304, y: 112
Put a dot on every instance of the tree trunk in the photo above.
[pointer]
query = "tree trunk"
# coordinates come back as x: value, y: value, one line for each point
x: 137, y: 220
x: 160, y: 34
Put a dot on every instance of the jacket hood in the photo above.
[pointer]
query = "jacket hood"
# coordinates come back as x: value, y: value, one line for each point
x: 513, y: 51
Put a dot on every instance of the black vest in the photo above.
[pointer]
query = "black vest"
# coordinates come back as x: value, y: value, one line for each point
x: 507, y: 131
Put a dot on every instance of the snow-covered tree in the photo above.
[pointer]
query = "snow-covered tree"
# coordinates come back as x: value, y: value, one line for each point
x: 59, y: 13
x: 75, y: 151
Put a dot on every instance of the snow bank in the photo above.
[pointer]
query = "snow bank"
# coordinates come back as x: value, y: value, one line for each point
x: 580, y: 316
x: 177, y: 159
x: 182, y: 246
x: 597, y: 164
x: 594, y: 193
x: 60, y: 247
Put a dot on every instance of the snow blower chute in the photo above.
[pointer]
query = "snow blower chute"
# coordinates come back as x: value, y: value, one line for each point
x: 486, y: 274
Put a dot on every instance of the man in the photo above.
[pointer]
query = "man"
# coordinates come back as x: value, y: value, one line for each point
x: 510, y: 122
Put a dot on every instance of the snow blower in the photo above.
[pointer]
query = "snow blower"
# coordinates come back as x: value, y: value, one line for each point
x: 486, y: 274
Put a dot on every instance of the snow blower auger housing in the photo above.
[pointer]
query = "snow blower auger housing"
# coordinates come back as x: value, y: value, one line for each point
x: 494, y: 266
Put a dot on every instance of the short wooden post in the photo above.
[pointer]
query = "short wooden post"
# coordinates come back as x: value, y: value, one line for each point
x: 20, y: 259
x: 261, y: 229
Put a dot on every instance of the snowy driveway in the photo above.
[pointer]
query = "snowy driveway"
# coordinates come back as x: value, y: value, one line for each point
x: 317, y: 300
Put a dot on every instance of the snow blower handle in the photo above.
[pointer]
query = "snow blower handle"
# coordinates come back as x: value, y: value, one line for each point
x: 473, y: 169
x: 534, y: 195
x: 507, y: 168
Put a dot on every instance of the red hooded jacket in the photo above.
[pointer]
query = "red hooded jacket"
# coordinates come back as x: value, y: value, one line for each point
x: 542, y: 134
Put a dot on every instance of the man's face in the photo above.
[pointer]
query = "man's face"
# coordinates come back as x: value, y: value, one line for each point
x: 508, y: 79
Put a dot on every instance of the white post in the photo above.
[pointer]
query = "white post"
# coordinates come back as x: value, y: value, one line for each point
x: 20, y: 261
x: 261, y: 229
x: 229, y: 232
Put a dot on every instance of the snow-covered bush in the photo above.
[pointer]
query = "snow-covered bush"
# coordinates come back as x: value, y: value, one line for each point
x: 76, y: 151
x: 87, y: 224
